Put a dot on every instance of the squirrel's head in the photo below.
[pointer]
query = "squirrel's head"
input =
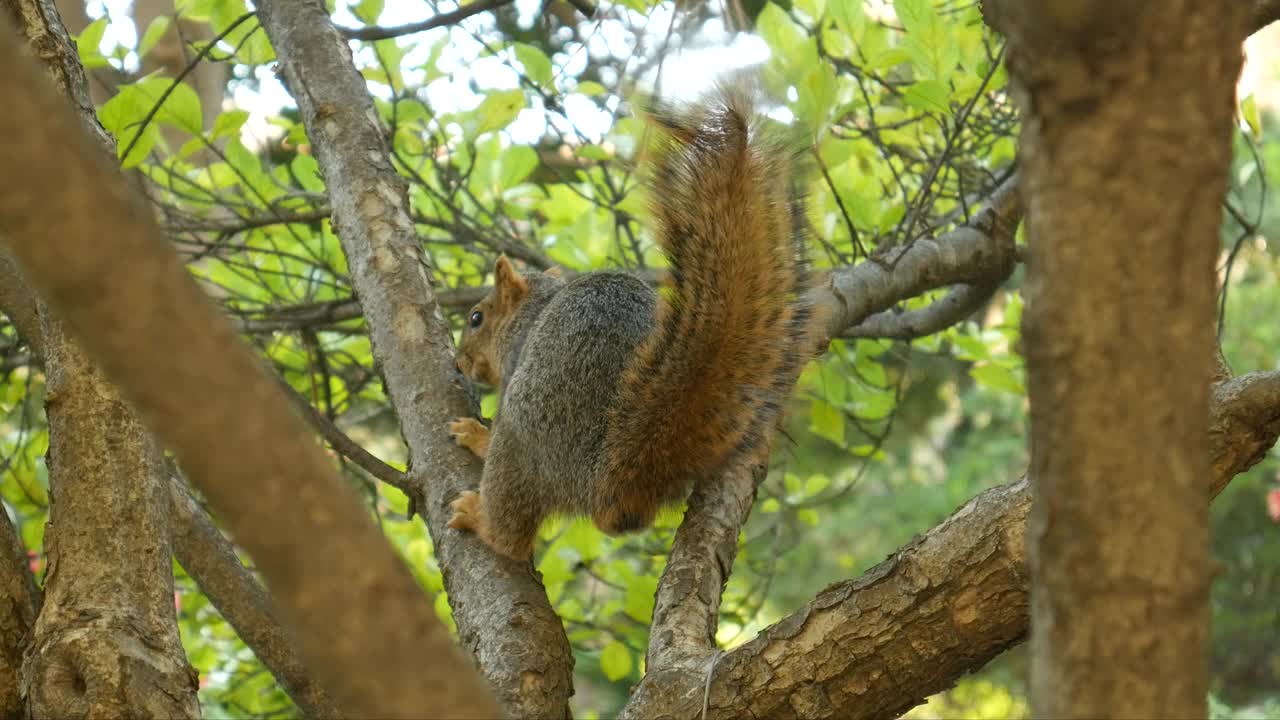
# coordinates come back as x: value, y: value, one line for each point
x: 486, y: 332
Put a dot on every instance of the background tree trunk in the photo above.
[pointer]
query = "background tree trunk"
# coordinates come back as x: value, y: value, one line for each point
x: 106, y: 642
x: 88, y: 246
x: 1125, y: 148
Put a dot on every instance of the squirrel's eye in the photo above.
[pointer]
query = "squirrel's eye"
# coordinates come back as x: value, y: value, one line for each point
x: 477, y: 317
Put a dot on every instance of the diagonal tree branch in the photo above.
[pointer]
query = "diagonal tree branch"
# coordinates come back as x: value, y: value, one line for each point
x: 19, y: 605
x: 531, y: 670
x: 851, y: 652
x: 362, y: 622
x: 682, y: 637
x: 960, y: 302
x: 1265, y: 12
x: 210, y: 559
x: 206, y: 555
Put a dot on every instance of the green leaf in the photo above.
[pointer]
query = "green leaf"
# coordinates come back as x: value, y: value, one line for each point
x: 929, y: 95
x: 517, y: 163
x: 498, y: 109
x: 1249, y: 111
x: 591, y: 88
x: 367, y: 10
x: 615, y: 661
x: 154, y: 32
x: 808, y: 516
x: 827, y: 421
x: 998, y: 377
x: 181, y: 109
x: 228, y: 124
x: 89, y: 41
x: 307, y: 171
x: 390, y: 57
x: 970, y: 347
x: 816, y: 484
x: 934, y: 53
x: 848, y: 15
x: 777, y: 30
x: 639, y: 599
x: 537, y: 66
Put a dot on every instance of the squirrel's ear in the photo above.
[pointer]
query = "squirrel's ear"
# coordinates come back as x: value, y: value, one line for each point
x: 554, y: 271
x: 511, y: 285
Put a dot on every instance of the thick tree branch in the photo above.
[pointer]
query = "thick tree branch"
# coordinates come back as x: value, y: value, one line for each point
x: 852, y: 653
x: 19, y: 605
x: 374, y: 32
x: 981, y: 253
x: 1265, y: 12
x: 109, y: 584
x: 362, y: 622
x: 682, y: 638
x: 960, y: 302
x: 531, y: 670
x: 200, y: 547
x: 210, y: 559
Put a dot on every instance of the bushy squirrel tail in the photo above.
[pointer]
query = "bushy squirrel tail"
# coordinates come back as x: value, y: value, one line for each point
x: 733, y: 327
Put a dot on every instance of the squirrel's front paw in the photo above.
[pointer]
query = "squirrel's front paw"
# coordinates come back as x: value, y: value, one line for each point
x: 466, y: 511
x: 470, y: 434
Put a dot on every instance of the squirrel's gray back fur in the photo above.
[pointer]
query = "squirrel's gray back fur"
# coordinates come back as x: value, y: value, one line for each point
x: 571, y: 339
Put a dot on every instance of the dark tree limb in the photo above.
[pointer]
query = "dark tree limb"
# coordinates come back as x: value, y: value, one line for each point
x: 1265, y: 12
x: 363, y: 624
x: 373, y: 32
x: 19, y: 605
x: 681, y: 640
x: 531, y: 670
x: 210, y: 559
x: 960, y: 302
x: 107, y: 611
x: 981, y: 253
x: 855, y: 651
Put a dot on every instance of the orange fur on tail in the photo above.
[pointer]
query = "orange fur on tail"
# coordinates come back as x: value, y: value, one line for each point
x: 733, y: 327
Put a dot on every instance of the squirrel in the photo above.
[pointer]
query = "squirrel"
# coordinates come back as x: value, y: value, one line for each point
x: 614, y: 398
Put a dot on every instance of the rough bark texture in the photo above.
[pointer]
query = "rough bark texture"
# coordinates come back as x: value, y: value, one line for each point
x: 19, y: 605
x: 934, y: 611
x: 211, y: 561
x: 500, y: 607
x: 89, y: 247
x: 106, y: 642
x: 980, y: 253
x: 1127, y: 112
x: 207, y: 556
x: 682, y: 637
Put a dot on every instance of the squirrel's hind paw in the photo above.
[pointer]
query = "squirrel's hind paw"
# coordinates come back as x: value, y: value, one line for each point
x: 466, y: 511
x: 470, y: 434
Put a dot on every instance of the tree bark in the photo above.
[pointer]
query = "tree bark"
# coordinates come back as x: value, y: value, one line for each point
x: 211, y: 560
x: 106, y: 642
x: 19, y: 606
x: 1127, y: 121
x: 530, y: 668
x: 941, y: 607
x: 90, y: 248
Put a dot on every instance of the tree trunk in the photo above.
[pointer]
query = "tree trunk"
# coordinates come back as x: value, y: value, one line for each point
x: 1124, y: 152
x: 106, y: 642
x: 90, y: 249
